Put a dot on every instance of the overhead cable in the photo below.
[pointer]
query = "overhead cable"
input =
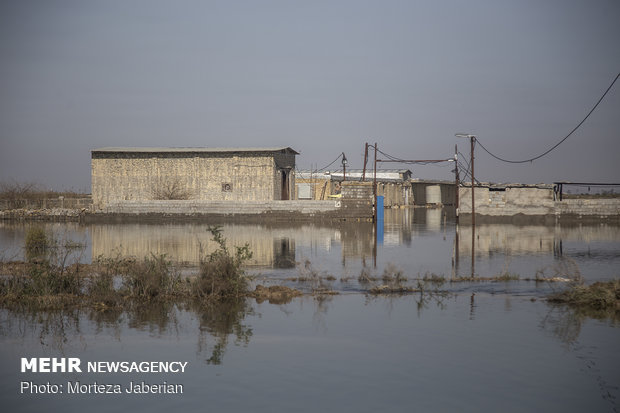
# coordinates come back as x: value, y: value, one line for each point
x: 333, y: 162
x: 562, y: 140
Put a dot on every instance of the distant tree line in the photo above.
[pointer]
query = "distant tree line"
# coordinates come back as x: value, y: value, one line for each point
x: 11, y: 191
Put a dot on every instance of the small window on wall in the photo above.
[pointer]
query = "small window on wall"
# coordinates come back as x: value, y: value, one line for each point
x: 226, y: 187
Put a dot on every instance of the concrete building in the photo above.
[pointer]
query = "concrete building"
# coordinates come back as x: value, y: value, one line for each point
x: 392, y: 184
x: 201, y: 174
x: 433, y: 193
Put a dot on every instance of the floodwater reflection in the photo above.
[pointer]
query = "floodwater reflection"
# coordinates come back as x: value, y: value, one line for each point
x: 62, y: 330
x: 485, y: 346
x: 416, y: 240
x: 249, y: 356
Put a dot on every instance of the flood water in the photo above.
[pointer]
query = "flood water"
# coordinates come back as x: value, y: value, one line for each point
x: 484, y: 346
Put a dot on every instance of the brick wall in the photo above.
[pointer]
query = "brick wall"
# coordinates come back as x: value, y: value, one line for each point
x: 243, y: 176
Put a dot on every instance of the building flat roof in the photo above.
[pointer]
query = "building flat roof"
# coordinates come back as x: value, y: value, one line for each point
x: 113, y: 149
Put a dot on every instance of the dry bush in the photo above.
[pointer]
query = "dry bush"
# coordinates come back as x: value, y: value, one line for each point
x: 171, y: 188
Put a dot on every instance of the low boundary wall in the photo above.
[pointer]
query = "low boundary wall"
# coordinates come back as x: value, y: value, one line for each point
x: 522, y: 203
x: 588, y: 207
x: 248, y: 210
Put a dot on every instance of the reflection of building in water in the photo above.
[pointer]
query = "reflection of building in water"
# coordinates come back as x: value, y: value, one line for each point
x: 272, y: 246
x: 589, y: 233
x: 186, y: 243
x: 400, y: 226
x: 507, y: 239
x: 286, y: 256
x: 531, y: 239
x: 357, y: 239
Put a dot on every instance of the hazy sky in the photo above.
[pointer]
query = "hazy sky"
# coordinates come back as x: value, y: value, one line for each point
x: 322, y: 77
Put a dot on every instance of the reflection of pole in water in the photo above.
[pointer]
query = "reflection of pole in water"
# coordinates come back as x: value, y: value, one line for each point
x: 374, y: 245
x: 557, y: 248
x: 473, y: 249
x: 455, y: 260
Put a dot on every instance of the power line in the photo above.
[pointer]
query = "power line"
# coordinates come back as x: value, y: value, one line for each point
x: 561, y: 141
x: 464, y: 159
x: 325, y: 167
x: 392, y: 158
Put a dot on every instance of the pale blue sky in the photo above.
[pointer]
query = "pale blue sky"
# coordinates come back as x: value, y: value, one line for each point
x: 322, y: 77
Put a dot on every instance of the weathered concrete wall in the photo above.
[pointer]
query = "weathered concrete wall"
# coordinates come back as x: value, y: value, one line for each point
x: 257, y: 210
x: 357, y: 190
x: 395, y: 193
x: 218, y: 207
x: 320, y: 189
x: 201, y: 176
x: 508, y: 202
x: 580, y: 207
x: 419, y: 191
x: 535, y: 202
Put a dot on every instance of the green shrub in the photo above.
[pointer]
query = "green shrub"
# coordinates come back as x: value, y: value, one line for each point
x: 37, y: 244
x: 221, y: 273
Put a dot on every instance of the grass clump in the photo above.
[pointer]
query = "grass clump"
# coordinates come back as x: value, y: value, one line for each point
x: 393, y: 274
x: 37, y: 244
x: 221, y: 272
x: 366, y: 276
x: 603, y: 296
x: 150, y: 278
x: 46, y: 277
x: 314, y: 278
x: 434, y: 278
x: 507, y: 276
x: 49, y: 280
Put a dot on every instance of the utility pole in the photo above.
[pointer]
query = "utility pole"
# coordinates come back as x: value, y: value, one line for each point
x: 472, y: 139
x: 365, y: 160
x: 456, y: 180
x: 473, y: 203
x: 374, y: 182
x: 375, y: 214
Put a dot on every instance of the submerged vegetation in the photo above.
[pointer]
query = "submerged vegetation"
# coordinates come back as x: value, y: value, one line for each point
x: 602, y: 298
x: 221, y: 273
x: 53, y: 277
x: 48, y: 279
